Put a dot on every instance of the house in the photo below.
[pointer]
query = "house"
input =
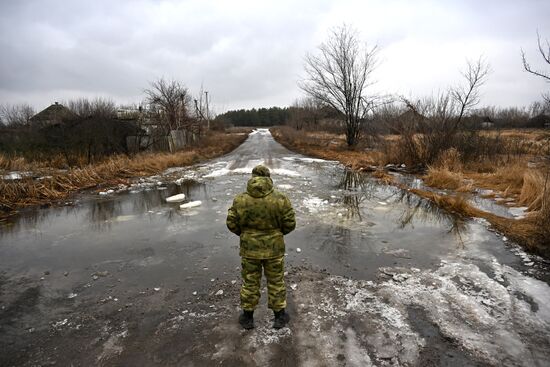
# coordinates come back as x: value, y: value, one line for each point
x: 487, y: 123
x: 52, y: 115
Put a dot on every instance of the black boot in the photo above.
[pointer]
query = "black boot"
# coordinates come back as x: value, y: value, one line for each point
x: 281, y: 319
x: 246, y: 319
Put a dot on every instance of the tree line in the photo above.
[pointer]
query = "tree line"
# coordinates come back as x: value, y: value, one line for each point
x: 256, y: 117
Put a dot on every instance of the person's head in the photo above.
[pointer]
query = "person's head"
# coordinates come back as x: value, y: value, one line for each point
x: 261, y: 171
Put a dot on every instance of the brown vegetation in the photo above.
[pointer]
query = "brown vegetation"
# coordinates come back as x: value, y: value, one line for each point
x: 323, y: 145
x: 114, y: 170
x: 508, y: 175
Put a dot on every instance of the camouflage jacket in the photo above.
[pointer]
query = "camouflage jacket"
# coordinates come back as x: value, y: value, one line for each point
x: 261, y: 216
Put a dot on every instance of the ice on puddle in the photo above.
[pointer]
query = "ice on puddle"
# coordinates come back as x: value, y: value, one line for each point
x: 227, y: 170
x: 60, y: 323
x: 175, y: 198
x: 285, y: 172
x: 217, y: 173
x: 191, y: 204
x: 314, y: 204
x: 518, y: 212
x: 12, y: 176
x: 124, y: 218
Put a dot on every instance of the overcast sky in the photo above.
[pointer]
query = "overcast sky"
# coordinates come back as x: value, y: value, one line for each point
x: 250, y: 53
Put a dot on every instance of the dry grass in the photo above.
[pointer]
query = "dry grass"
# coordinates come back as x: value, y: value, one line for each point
x: 535, y: 187
x: 507, y: 174
x: 13, y: 164
x: 505, y: 179
x: 443, y: 178
x: 118, y: 169
x: 324, y: 145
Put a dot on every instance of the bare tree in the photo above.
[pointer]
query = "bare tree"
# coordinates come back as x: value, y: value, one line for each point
x: 467, y: 95
x: 433, y: 125
x: 171, y: 101
x: 544, y: 51
x: 339, y: 76
x: 98, y: 107
x: 16, y: 115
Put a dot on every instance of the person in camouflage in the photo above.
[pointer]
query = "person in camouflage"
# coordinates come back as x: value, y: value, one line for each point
x: 261, y: 216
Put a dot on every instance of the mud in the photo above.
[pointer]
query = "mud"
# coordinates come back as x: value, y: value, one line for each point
x: 383, y: 278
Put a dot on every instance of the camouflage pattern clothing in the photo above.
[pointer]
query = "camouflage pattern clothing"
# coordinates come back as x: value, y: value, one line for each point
x: 261, y: 216
x: 252, y: 275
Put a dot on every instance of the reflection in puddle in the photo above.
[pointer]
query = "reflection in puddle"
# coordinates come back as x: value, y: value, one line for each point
x: 101, y: 213
x: 359, y: 192
x: 357, y: 188
x: 425, y: 210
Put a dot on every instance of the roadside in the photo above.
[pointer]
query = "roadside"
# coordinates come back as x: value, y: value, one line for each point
x: 38, y: 183
x: 456, y: 186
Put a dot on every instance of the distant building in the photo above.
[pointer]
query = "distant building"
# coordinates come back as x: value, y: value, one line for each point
x: 52, y: 115
x: 487, y: 123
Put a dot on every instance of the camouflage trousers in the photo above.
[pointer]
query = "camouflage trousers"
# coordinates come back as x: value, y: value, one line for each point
x: 252, y: 276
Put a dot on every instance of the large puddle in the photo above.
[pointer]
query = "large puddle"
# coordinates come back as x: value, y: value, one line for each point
x: 349, y: 226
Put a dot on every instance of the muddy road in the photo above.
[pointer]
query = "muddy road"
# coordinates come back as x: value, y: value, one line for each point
x: 376, y: 277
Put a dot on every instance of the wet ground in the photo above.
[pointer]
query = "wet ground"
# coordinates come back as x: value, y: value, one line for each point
x: 376, y: 277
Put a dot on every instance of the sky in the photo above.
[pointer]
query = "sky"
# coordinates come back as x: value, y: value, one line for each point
x: 251, y: 53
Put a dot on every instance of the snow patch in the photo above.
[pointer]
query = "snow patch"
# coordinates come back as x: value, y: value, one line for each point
x: 191, y: 204
x: 285, y: 172
x: 263, y: 132
x: 518, y: 212
x: 175, y: 198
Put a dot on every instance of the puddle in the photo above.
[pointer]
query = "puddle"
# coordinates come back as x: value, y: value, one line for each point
x: 349, y: 226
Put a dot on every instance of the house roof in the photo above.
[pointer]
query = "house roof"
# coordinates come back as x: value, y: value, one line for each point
x: 54, y: 114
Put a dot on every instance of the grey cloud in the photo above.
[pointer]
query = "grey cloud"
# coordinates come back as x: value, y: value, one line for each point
x: 247, y: 53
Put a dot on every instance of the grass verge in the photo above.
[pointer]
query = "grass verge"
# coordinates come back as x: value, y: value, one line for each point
x: 56, y: 186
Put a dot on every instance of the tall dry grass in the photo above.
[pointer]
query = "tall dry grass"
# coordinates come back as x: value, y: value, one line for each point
x: 446, y: 173
x: 443, y: 178
x: 13, y: 163
x: 535, y: 189
x: 117, y: 169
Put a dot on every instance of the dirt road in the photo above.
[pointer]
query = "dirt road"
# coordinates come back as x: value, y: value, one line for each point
x: 376, y: 277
